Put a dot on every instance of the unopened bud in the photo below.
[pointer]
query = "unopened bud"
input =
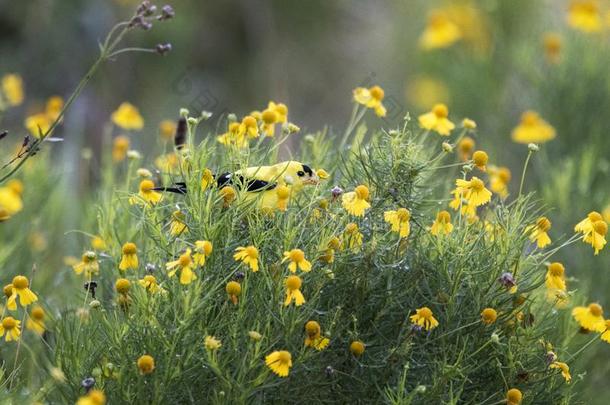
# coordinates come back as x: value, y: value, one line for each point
x: 162, y: 49
x: 532, y: 147
x: 447, y: 147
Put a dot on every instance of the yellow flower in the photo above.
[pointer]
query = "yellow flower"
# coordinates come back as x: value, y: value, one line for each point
x: 355, y: 202
x: 254, y: 335
x: 436, y: 120
x: 283, y: 195
x: 203, y: 249
x: 53, y: 107
x: 424, y: 91
x: 322, y: 174
x: 167, y: 163
x: 440, y: 32
x: 228, y: 195
x: 88, y: 264
x: 597, y: 236
x: 423, y: 317
x: 606, y: 213
x: 98, y: 243
x: 371, y: 98
x: 513, y: 397
x: 129, y: 259
x: 552, y: 46
x: 38, y: 124
x: 555, y: 277
x: 442, y: 224
x: 605, y: 336
x: 565, y: 370
x: 146, y: 194
x: 35, y: 322
x: 128, y: 117
x: 167, y: 129
x: 532, y: 129
x: 12, y: 89
x: 469, y: 124
x: 233, y: 289
x: 11, y: 327
x: 149, y: 282
x: 185, y: 264
x: 489, y: 316
x: 120, y: 146
x: 211, y: 343
x: 122, y: 286
x: 586, y: 225
x: 499, y: 178
x: 10, y: 198
x: 480, y: 158
x: 207, y: 179
x: 146, y: 364
x: 352, y: 238
x: 465, y: 147
x: 297, y: 259
x: 584, y: 15
x: 538, y: 232
x: 280, y: 109
x: 248, y: 255
x: 293, y: 291
x: 177, y: 226
x: 93, y: 397
x: 248, y: 127
x: 313, y: 337
x: 21, y: 289
x: 279, y: 362
x: 591, y: 317
x: 473, y: 191
x: 357, y: 348
x: 269, y: 118
x: 399, y: 220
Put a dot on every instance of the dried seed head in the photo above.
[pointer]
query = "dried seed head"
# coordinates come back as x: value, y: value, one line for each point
x: 167, y: 12
x: 162, y: 49
x: 180, y: 136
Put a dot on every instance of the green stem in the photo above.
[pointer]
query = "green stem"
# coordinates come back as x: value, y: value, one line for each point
x: 527, y: 160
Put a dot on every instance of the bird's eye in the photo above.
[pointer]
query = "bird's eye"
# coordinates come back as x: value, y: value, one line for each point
x: 300, y: 173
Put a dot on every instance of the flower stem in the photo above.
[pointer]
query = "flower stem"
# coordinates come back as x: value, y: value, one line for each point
x: 527, y: 160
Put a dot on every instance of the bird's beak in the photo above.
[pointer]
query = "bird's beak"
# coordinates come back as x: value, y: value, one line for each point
x: 313, y: 180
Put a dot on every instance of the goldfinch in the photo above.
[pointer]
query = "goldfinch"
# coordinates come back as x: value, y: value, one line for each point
x: 262, y: 182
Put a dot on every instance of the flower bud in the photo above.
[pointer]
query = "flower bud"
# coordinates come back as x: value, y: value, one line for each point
x: 532, y: 147
x: 447, y: 147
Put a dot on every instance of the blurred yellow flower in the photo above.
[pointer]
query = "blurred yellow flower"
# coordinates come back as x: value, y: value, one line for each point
x: 357, y: 348
x: 489, y: 316
x: 313, y: 337
x: 93, y: 397
x: 371, y: 98
x: 177, y: 225
x: 269, y: 118
x: 480, y: 159
x: 297, y: 259
x: 555, y: 276
x: 564, y: 368
x: 127, y: 117
x: 146, y: 194
x: 469, y: 124
x: 233, y: 289
x: 605, y: 336
x: 280, y: 109
x: 584, y: 15
x: 207, y: 179
x: 590, y: 317
x: 122, y: 286
x: 10, y: 327
x: 129, y: 259
x: 499, y: 178
x: 254, y: 335
x: 436, y: 120
x: 597, y: 237
x: 424, y: 318
x: 424, y: 91
x: 12, y: 89
x: 473, y: 191
x: 53, y: 107
x: 465, y: 147
x: 248, y: 127
x: 167, y: 129
x: 203, y: 249
x: 35, y: 321
x: 150, y: 284
x: 146, y: 364
x: 120, y: 146
x: 21, y: 289
x: 185, y: 264
x: 442, y: 224
x: 228, y: 195
x: 167, y: 163
x: 248, y: 255
x: 532, y: 129
x: 552, y: 44
x: 586, y: 225
x: 279, y: 362
x: 352, y: 238
x: 98, y: 243
x: 399, y: 219
x: 88, y: 265
x: 38, y: 124
x: 513, y: 397
x: 211, y: 343
x: 293, y: 291
x: 356, y: 202
x: 440, y: 31
x: 10, y: 198
x: 538, y: 232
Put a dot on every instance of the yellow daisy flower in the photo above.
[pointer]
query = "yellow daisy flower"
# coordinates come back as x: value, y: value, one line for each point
x: 489, y: 316
x: 473, y: 191
x: 499, y: 178
x: 207, y: 179
x: 185, y: 264
x: 538, y: 232
x: 552, y: 44
x: 10, y: 327
x: 129, y: 259
x: 248, y: 255
x: 203, y: 249
x: 269, y: 118
x: 513, y: 397
x: 586, y: 225
x: 399, y: 219
x: 584, y: 15
x: 532, y: 129
x: 357, y: 348
x: 35, y: 322
x: 480, y: 158
x: 279, y: 362
x: 21, y: 289
x: 605, y: 336
x: 127, y: 117
x: 38, y: 124
x: 233, y: 289
x: 248, y: 127
x: 590, y: 317
x: 371, y: 98
x: 150, y: 284
x: 423, y: 317
x: 177, y: 226
x: 146, y: 364
x: 93, y: 397
x: 88, y: 265
x: 167, y: 129
x: 596, y: 238
x: 211, y: 343
x: 442, y: 224
x: 147, y: 194
x: 120, y: 146
x: 356, y: 202
x: 313, y: 337
x: 440, y: 32
x: 293, y: 291
x: 280, y: 109
x: 352, y: 238
x: 555, y: 277
x: 12, y: 89
x: 465, y: 147
x: 297, y: 259
x: 565, y: 370
x: 436, y: 120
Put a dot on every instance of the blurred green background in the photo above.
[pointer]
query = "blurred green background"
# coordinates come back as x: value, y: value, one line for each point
x: 236, y: 55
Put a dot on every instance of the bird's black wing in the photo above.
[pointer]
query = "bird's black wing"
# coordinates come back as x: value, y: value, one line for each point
x: 178, y: 188
x: 252, y: 185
